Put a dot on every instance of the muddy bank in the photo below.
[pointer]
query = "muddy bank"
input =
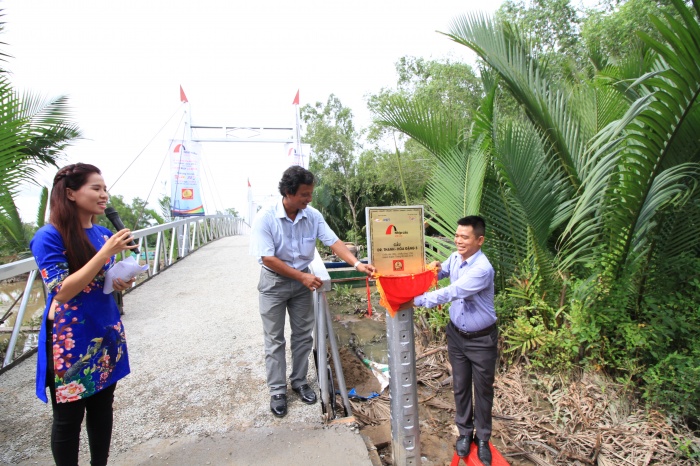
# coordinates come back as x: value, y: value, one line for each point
x: 539, y: 419
x: 574, y: 419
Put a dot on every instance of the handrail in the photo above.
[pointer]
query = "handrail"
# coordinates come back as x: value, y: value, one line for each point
x: 182, y: 232
x: 324, y: 328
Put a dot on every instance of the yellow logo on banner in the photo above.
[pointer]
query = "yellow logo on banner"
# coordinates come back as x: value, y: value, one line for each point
x: 187, y: 193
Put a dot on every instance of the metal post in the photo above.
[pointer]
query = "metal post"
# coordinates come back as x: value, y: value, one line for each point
x: 159, y: 244
x: 321, y: 352
x: 402, y: 388
x: 20, y: 317
x: 337, y: 363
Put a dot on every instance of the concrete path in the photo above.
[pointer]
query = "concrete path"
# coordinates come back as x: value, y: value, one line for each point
x: 197, y: 392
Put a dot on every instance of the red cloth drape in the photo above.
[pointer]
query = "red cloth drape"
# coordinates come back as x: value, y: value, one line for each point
x: 395, y: 290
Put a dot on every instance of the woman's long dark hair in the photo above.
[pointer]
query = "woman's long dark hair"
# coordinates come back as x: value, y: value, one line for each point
x: 64, y: 213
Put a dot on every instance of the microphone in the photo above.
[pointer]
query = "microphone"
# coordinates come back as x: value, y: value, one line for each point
x: 113, y: 217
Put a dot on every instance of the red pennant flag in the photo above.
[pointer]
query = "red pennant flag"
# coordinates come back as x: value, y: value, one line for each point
x: 249, y: 182
x: 296, y: 99
x: 183, y: 97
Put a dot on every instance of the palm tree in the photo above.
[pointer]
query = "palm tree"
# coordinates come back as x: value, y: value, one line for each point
x: 33, y: 133
x: 586, y: 178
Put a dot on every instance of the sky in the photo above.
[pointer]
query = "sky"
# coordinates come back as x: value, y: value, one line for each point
x: 239, y: 64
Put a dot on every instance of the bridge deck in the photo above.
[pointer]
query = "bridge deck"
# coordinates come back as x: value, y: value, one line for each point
x: 197, y: 392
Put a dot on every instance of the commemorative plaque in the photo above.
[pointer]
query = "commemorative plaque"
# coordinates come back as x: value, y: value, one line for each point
x: 395, y: 239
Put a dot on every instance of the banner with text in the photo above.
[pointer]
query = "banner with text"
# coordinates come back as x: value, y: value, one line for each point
x: 185, y: 192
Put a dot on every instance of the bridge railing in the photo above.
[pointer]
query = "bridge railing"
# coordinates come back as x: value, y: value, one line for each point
x: 160, y: 247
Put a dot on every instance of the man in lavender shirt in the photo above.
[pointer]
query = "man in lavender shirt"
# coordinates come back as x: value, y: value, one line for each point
x: 472, y: 334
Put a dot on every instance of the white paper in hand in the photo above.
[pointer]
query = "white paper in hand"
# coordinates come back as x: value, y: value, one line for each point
x: 126, y: 270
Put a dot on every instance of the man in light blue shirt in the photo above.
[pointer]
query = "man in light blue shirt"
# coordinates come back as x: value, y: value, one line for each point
x: 472, y: 335
x: 283, y: 239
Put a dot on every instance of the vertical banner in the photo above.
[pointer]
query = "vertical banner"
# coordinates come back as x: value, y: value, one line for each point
x: 395, y: 239
x: 185, y: 192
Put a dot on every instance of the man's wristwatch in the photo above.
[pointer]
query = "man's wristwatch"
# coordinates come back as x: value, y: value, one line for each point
x: 356, y: 264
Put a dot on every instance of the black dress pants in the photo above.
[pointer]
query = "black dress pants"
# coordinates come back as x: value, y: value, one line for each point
x: 473, y: 363
x: 68, y: 417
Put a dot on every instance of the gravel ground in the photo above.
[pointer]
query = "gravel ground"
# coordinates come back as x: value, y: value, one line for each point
x: 197, y: 392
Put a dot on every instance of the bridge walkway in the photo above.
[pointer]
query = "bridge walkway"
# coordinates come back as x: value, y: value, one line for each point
x: 197, y: 392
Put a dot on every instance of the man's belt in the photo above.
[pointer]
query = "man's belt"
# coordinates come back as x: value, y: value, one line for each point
x: 272, y: 271
x: 478, y: 333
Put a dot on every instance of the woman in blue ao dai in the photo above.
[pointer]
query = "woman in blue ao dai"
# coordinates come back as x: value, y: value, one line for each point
x: 82, y: 351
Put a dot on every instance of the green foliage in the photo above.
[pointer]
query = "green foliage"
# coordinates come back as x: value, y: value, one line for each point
x: 349, y: 181
x: 611, y: 31
x: 674, y: 384
x: 231, y: 211
x: 446, y: 86
x: 333, y: 139
x: 437, y: 318
x: 592, y: 175
x: 43, y: 204
x: 164, y: 206
x: 535, y: 330
x: 343, y: 294
x: 552, y: 28
x: 135, y: 216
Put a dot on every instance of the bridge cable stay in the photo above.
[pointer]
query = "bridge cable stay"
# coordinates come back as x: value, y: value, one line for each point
x: 155, y: 179
x: 180, y: 126
x: 143, y: 207
x: 145, y: 147
x: 206, y: 170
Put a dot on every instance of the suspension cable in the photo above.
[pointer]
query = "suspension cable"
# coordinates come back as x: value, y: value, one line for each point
x: 146, y: 146
x: 155, y: 180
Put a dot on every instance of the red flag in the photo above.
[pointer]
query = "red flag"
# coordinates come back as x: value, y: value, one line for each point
x: 249, y: 182
x: 183, y: 97
x: 397, y: 289
x: 296, y: 99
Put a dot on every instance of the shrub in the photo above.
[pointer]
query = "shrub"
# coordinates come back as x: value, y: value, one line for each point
x: 674, y: 385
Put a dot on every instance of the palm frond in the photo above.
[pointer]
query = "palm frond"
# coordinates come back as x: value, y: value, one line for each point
x: 672, y: 186
x: 585, y: 225
x: 507, y: 244
x: 504, y: 49
x: 50, y: 127
x: 651, y: 136
x: 13, y: 169
x: 43, y: 203
x: 11, y: 226
x: 437, y: 131
x: 535, y: 183
x: 680, y: 234
x: 455, y: 187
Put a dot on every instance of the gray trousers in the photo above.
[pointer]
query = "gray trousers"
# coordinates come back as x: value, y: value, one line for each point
x: 473, y: 361
x: 279, y: 295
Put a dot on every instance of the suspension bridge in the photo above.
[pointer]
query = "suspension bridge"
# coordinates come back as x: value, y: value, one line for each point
x: 197, y: 392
